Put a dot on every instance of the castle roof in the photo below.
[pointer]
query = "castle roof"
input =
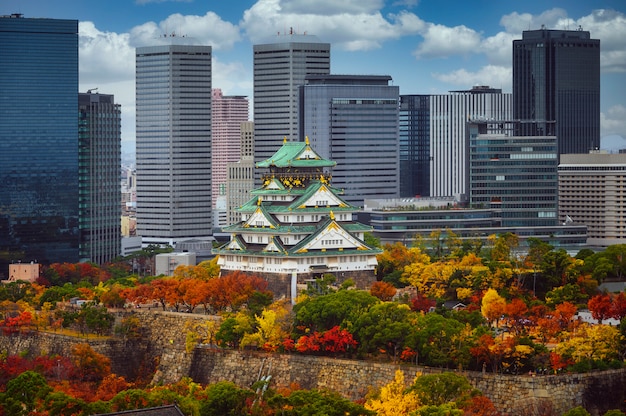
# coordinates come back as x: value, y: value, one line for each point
x: 296, y: 154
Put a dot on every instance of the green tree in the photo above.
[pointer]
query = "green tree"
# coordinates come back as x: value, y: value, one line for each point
x: 439, y: 389
x: 322, y: 403
x: 224, y: 398
x: 385, y: 326
x: 23, y: 392
x: 98, y: 319
x: 341, y: 308
x: 440, y: 341
x: 577, y: 411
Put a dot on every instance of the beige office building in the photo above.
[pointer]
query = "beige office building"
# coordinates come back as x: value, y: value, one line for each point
x: 592, y: 191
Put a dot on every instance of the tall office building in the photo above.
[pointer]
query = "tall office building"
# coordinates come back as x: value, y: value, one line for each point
x: 353, y: 120
x: 449, y: 114
x: 228, y: 112
x: 279, y: 69
x: 515, y: 174
x: 556, y: 82
x: 414, y: 145
x: 173, y: 99
x: 99, y: 154
x: 38, y: 139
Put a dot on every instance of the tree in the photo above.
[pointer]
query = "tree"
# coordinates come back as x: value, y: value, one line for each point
x: 91, y: 366
x: 439, y: 389
x: 22, y: 393
x: 383, y: 291
x: 395, y: 257
x: 492, y: 306
x: 385, y: 327
x: 322, y: 402
x: 225, y: 398
x: 341, y: 308
x: 393, y: 399
x: 601, y: 307
x: 592, y: 343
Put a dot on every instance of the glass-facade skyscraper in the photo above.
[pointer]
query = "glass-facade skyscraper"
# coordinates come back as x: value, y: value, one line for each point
x: 353, y: 120
x: 279, y: 69
x: 556, y: 87
x: 414, y: 145
x: 38, y: 140
x: 100, y: 195
x: 173, y: 119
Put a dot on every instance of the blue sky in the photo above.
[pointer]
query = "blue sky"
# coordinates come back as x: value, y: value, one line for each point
x: 427, y: 46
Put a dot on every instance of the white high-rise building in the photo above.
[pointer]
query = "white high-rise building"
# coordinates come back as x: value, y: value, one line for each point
x: 279, y: 69
x: 173, y: 99
x: 449, y: 114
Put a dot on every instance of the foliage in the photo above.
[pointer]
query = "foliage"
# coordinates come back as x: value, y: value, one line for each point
x: 22, y: 393
x: 442, y: 388
x: 321, y: 403
x: 385, y: 327
x: 341, y: 308
x: 224, y: 398
x: 393, y: 398
x: 90, y: 364
x: 492, y: 306
x: 383, y: 291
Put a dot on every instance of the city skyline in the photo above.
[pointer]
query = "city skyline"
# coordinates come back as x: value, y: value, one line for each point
x: 404, y: 39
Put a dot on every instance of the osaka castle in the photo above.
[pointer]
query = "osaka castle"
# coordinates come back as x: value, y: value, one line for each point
x: 297, y: 228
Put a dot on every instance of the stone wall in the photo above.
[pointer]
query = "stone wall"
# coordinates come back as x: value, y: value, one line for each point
x: 161, y: 351
x: 512, y: 395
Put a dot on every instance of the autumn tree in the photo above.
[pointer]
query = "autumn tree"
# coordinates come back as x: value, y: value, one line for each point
x: 383, y: 291
x: 91, y: 366
x: 492, y: 306
x: 601, y: 307
x: 394, y: 258
x: 393, y: 399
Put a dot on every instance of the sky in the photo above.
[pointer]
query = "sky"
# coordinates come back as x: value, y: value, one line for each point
x: 426, y: 46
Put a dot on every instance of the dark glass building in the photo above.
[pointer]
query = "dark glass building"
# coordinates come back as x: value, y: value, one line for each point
x: 39, y: 140
x: 414, y: 145
x: 556, y: 78
x: 100, y: 195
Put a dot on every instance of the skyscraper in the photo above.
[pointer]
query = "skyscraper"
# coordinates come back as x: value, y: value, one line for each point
x: 449, y: 114
x: 100, y: 196
x: 173, y: 98
x: 279, y: 69
x: 414, y: 145
x: 353, y: 120
x: 39, y: 139
x: 556, y: 82
x: 227, y: 114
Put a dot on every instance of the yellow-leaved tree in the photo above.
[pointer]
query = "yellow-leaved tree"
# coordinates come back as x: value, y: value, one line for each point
x: 393, y: 399
x: 492, y: 306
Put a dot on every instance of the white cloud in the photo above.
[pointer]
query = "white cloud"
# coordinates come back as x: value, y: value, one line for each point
x: 516, y: 23
x: 104, y: 56
x: 442, y: 41
x: 209, y: 29
x: 330, y: 7
x: 613, y: 121
x: 491, y: 75
x: 351, y: 26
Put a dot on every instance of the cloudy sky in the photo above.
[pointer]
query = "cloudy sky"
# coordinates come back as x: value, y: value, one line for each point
x: 426, y: 46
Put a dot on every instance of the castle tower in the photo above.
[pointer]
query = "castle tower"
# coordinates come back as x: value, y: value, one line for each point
x: 296, y: 227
